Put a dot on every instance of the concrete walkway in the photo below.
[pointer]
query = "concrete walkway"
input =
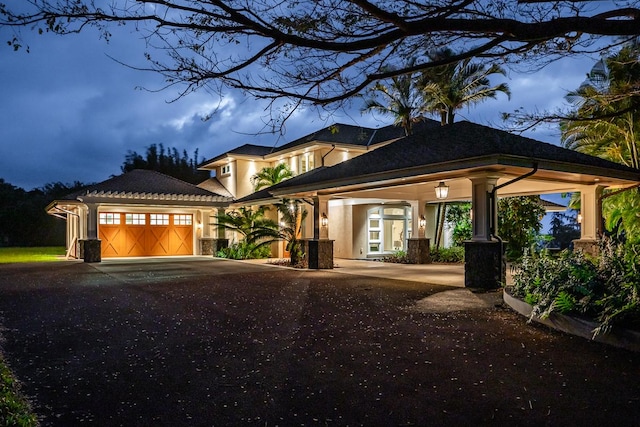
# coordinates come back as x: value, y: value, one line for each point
x: 437, y: 274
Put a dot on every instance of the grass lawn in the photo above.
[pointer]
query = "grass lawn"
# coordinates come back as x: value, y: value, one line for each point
x: 14, y: 408
x: 36, y: 254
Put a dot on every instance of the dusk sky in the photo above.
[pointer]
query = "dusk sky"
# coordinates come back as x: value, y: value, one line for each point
x: 71, y: 113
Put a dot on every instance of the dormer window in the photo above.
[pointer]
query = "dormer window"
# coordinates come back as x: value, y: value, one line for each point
x: 306, y: 162
x: 226, y: 169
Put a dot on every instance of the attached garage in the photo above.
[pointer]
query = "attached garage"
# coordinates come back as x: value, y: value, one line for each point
x: 145, y: 234
x: 141, y: 213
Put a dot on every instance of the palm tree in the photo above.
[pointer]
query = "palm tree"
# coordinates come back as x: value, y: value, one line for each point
x: 269, y: 176
x: 401, y: 99
x: 449, y: 88
x: 606, y: 123
x: 611, y: 136
x: 292, y: 214
x: 255, y: 230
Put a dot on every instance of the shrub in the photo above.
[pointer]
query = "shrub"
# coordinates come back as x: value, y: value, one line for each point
x: 14, y: 408
x: 244, y: 250
x: 606, y: 288
x: 399, y: 257
x: 454, y: 254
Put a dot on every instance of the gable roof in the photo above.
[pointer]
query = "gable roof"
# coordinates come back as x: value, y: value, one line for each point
x: 147, y: 184
x: 243, y: 150
x: 337, y: 133
x: 443, y: 149
x: 215, y: 186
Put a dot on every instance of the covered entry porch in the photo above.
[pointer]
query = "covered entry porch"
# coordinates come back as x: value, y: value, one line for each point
x: 475, y: 163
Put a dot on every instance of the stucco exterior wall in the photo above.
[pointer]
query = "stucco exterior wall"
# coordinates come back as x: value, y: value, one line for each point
x: 228, y: 180
x: 245, y: 170
x: 359, y: 221
x: 341, y: 231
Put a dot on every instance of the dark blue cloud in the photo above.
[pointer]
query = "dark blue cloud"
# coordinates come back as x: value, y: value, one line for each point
x: 69, y: 112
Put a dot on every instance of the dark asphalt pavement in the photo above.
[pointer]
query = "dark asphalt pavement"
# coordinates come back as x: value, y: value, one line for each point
x: 205, y: 342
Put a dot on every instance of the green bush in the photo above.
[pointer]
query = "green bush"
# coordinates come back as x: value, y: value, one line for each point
x: 244, y: 250
x: 399, y: 257
x: 454, y: 254
x: 14, y: 408
x: 606, y: 288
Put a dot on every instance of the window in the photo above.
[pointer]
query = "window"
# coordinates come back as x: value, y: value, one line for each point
x: 375, y: 232
x: 159, y: 219
x: 306, y: 162
x: 182, y: 219
x: 388, y: 229
x: 135, y: 219
x: 109, y: 218
x: 225, y: 169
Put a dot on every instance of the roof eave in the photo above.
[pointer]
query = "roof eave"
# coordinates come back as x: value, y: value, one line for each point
x: 478, y: 163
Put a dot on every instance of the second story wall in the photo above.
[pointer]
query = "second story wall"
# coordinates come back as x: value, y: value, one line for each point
x: 245, y: 170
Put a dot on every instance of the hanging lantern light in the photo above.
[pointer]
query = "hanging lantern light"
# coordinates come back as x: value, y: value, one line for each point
x: 442, y: 191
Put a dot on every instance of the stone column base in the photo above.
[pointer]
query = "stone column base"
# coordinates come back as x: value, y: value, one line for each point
x: 318, y: 253
x: 90, y: 250
x: 211, y: 245
x: 485, y: 264
x: 418, y: 251
x: 587, y: 246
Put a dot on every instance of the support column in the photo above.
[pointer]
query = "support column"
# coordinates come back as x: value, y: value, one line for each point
x: 485, y: 262
x: 214, y: 238
x: 90, y: 248
x: 591, y: 225
x: 484, y: 209
x: 418, y: 250
x: 319, y: 250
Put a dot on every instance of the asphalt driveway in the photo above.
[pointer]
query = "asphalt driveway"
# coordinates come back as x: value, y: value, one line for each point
x: 216, y: 343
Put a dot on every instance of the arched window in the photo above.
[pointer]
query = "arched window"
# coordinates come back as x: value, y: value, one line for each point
x: 388, y: 228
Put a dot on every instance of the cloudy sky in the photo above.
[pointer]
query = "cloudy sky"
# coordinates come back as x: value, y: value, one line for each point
x: 71, y: 113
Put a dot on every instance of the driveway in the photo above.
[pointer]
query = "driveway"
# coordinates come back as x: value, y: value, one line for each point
x: 205, y: 342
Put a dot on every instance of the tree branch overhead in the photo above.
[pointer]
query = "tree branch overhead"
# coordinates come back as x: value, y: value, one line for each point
x: 327, y: 51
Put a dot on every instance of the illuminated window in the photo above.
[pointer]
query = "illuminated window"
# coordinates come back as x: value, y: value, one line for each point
x: 134, y: 219
x: 110, y: 218
x: 159, y: 219
x: 182, y: 219
x: 306, y: 162
x: 225, y: 170
x: 388, y: 229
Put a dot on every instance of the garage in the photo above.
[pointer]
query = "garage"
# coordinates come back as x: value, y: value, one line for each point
x: 141, y: 213
x: 145, y: 234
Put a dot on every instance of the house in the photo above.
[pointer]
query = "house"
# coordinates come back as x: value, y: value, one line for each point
x: 385, y: 199
x: 140, y: 213
x: 369, y: 192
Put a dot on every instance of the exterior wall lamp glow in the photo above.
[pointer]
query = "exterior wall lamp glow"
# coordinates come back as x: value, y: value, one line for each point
x: 324, y: 221
x: 422, y: 222
x: 442, y: 190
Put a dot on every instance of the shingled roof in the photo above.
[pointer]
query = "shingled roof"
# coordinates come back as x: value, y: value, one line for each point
x: 243, y: 150
x: 446, y: 148
x: 338, y: 133
x: 147, y: 184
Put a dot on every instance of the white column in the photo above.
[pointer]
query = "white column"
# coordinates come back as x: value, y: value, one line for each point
x: 430, y: 212
x: 591, y: 211
x: 320, y: 210
x: 417, y: 212
x: 92, y: 221
x: 481, y: 205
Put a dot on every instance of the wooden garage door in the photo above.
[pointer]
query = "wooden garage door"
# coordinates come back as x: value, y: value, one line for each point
x: 145, y: 234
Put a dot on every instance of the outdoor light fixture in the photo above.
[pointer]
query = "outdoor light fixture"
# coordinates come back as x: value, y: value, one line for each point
x: 324, y: 221
x: 422, y: 221
x: 442, y: 190
x: 579, y: 219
